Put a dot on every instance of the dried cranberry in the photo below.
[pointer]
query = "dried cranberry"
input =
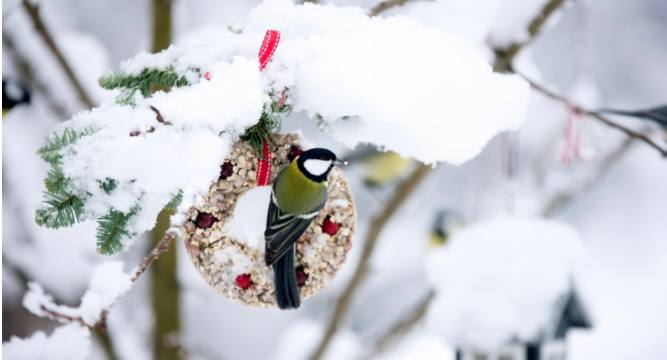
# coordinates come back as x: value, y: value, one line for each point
x: 330, y: 227
x: 205, y: 220
x: 226, y: 170
x: 244, y: 281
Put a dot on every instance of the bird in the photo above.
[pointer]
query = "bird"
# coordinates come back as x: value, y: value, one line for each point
x: 381, y: 167
x: 445, y: 222
x: 14, y: 93
x: 298, y: 194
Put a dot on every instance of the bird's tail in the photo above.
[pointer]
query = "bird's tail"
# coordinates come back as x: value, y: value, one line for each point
x: 287, y: 289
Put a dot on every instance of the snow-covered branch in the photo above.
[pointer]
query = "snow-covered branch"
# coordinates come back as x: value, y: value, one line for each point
x: 385, y: 5
x: 107, y: 285
x: 45, y: 34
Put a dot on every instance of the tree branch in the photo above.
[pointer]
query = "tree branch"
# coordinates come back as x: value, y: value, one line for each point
x: 505, y: 56
x: 404, y: 325
x: 38, y: 23
x: 503, y: 62
x: 25, y: 70
x: 561, y: 199
x: 403, y: 191
x: 385, y: 5
x: 595, y: 115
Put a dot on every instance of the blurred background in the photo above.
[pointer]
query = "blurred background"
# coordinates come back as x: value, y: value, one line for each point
x: 598, y: 53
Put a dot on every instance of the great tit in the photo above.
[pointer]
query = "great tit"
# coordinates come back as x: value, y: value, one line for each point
x: 299, y: 193
x: 446, y: 222
x: 381, y: 168
x: 13, y: 93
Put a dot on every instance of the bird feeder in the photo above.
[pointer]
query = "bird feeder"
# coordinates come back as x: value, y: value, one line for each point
x: 236, y: 268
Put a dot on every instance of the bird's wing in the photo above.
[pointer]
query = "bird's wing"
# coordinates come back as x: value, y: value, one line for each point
x: 283, y: 230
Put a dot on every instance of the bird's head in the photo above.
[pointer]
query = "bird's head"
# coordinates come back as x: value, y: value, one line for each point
x: 317, y: 163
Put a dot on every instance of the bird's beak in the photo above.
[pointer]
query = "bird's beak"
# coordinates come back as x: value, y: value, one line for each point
x: 340, y: 162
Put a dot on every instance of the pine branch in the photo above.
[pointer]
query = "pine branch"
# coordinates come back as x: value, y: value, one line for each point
x: 112, y: 228
x: 45, y: 34
x: 59, y: 210
x: 402, y: 193
x: 55, y: 181
x: 108, y: 185
x: 50, y: 152
x: 146, y: 82
x: 175, y: 201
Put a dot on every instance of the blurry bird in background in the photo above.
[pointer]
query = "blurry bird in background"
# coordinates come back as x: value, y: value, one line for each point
x: 445, y: 223
x: 381, y: 168
x: 656, y: 114
x: 14, y: 93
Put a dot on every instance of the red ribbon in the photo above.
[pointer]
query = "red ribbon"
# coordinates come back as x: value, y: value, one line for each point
x: 268, y: 47
x: 266, y: 51
x: 263, y: 177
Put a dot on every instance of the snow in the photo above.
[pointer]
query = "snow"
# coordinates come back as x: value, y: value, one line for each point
x: 68, y: 342
x: 419, y: 345
x: 108, y: 282
x: 498, y: 23
x: 501, y: 279
x: 370, y: 82
x: 249, y: 219
x: 434, y: 100
x: 299, y: 340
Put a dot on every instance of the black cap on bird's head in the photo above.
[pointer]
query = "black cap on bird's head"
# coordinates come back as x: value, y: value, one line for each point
x: 317, y: 163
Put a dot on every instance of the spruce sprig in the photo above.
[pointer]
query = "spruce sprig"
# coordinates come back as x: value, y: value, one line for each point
x: 55, y: 181
x: 175, y: 201
x: 269, y: 123
x: 50, y: 152
x: 59, y: 210
x: 146, y: 82
x: 112, y: 228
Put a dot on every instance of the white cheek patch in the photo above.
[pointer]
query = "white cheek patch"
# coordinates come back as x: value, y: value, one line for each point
x: 317, y: 167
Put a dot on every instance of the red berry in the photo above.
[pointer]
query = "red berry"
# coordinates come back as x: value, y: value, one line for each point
x: 301, y: 276
x: 294, y: 151
x: 226, y: 170
x: 329, y: 226
x: 244, y: 281
x: 205, y: 220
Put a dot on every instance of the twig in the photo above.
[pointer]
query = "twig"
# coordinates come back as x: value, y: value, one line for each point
x: 25, y: 71
x: 404, y: 325
x: 160, y: 247
x: 158, y: 116
x: 403, y: 191
x: 561, y: 199
x: 146, y: 263
x: 505, y: 56
x: 44, y: 33
x: 595, y: 115
x: 386, y: 5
